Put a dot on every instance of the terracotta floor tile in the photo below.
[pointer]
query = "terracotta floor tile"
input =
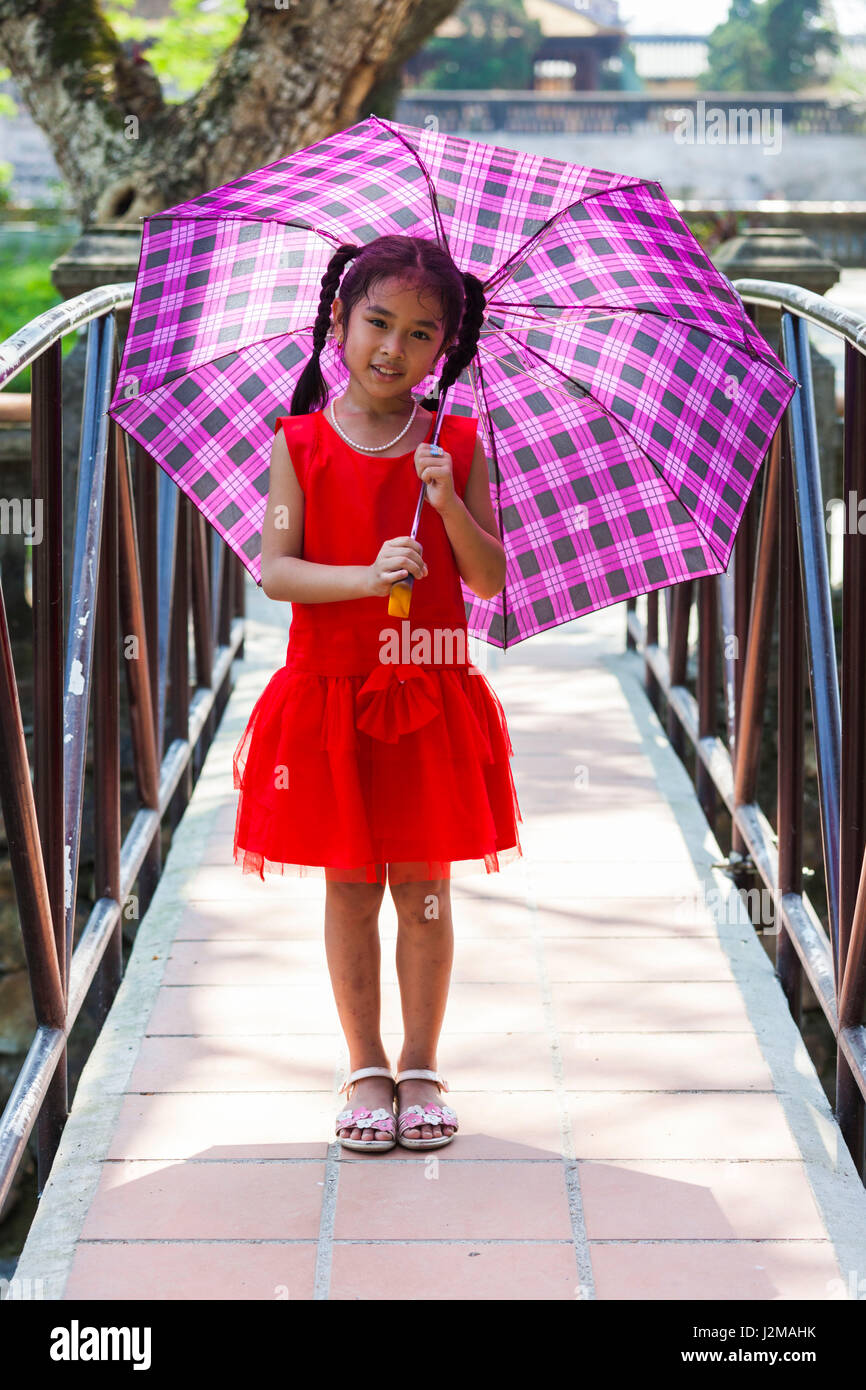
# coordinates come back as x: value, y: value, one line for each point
x: 227, y: 883
x: 594, y: 834
x: 299, y: 1062
x: 192, y: 1270
x: 691, y: 1007
x: 663, y: 1124
x: 698, y: 1201
x: 423, y: 1200
x: 506, y: 919
x: 246, y: 963
x: 225, y: 817
x: 186, y: 1201
x: 509, y: 883
x: 446, y: 1270
x: 286, y: 920
x: 226, y: 1010
x: 296, y: 1124
x: 663, y: 1061
x: 487, y: 1008
x: 753, y: 1270
x: 219, y: 847
x: 487, y: 959
x: 514, y: 1060
x: 630, y: 958
x: 623, y: 916
x: 657, y: 878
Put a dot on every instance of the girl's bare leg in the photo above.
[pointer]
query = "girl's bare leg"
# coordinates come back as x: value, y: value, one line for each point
x: 354, y: 956
x: 425, y: 952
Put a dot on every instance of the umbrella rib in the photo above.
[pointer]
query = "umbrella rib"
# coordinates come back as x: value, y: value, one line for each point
x: 437, y: 216
x: 718, y: 336
x: 530, y: 245
x: 615, y: 418
x: 269, y: 218
x: 757, y: 354
x: 484, y: 414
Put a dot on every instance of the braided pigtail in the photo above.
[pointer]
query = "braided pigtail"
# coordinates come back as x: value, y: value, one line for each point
x: 461, y: 354
x: 311, y: 392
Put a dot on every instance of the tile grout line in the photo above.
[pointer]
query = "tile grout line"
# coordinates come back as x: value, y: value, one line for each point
x: 602, y: 1159
x: 572, y: 1172
x: 457, y: 1240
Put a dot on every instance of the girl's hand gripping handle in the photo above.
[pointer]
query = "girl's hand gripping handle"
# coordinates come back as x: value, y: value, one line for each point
x: 400, y: 598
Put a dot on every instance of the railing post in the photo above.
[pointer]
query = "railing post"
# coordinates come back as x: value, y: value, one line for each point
x: 707, y: 640
x: 789, y: 767
x: 652, y: 640
x: 823, y: 675
x: 147, y: 530
x: 178, y: 723
x: 106, y: 747
x: 678, y: 652
x: 46, y: 456
x: 852, y: 784
x: 744, y: 559
x: 757, y: 652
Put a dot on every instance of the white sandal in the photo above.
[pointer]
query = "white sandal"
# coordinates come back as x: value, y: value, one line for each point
x: 363, y: 1118
x: 414, y: 1116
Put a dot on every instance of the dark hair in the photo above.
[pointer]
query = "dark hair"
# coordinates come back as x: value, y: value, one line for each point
x: 403, y: 257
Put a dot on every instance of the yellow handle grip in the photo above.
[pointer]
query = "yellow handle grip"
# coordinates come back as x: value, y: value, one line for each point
x: 400, y: 597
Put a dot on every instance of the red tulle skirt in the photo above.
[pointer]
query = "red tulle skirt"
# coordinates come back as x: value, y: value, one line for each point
x: 402, y: 774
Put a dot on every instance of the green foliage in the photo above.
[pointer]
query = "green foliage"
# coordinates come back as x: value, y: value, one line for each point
x: 497, y: 50
x: 26, y: 290
x: 8, y: 107
x: 769, y: 46
x: 189, y: 40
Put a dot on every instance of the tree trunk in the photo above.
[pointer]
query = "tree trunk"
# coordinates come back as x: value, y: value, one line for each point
x: 298, y: 71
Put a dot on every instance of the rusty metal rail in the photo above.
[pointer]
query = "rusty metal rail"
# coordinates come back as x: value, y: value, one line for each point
x: 783, y: 551
x: 144, y: 563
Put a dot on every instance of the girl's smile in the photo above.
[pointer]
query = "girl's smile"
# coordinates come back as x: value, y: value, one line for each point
x: 395, y: 337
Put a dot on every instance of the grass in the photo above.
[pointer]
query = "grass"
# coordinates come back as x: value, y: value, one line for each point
x: 26, y: 256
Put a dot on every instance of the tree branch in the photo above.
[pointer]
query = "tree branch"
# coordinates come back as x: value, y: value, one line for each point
x: 298, y: 71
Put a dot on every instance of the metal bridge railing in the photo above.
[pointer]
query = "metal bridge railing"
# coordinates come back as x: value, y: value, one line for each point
x: 786, y: 554
x: 144, y: 561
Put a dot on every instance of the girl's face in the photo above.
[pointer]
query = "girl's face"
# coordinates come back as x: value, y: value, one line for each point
x: 398, y: 327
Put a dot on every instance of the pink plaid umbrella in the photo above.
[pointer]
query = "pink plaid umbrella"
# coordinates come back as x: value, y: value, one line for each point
x: 625, y: 398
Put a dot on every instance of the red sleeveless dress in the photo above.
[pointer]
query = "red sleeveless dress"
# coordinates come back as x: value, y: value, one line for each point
x: 379, y: 742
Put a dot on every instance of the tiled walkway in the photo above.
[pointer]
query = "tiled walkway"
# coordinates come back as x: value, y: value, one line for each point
x: 639, y: 1118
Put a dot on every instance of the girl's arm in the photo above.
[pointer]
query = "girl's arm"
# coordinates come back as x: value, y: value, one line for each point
x: 285, y: 575
x: 474, y: 534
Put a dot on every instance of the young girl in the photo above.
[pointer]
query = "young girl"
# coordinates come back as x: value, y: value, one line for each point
x: 380, y: 752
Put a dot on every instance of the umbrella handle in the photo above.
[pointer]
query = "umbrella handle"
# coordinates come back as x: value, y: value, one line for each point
x: 400, y: 597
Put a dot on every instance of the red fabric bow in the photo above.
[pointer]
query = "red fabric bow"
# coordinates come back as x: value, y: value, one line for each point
x: 394, y: 700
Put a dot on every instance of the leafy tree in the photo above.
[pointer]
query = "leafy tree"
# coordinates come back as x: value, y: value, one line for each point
x: 7, y: 108
x: 770, y: 46
x: 141, y: 115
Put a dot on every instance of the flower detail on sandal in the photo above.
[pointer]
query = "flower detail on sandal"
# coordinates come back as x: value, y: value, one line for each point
x: 428, y: 1115
x: 363, y: 1118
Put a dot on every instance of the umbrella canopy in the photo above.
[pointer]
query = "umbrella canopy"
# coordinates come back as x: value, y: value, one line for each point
x: 625, y: 398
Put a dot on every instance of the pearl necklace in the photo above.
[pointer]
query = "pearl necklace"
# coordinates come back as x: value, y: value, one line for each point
x: 373, y: 448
